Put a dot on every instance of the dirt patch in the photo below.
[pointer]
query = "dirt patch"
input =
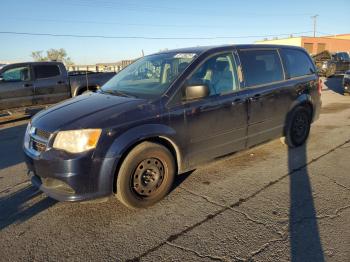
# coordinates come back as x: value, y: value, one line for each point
x: 334, y: 108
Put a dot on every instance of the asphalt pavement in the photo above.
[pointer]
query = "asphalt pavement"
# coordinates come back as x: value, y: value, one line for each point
x: 268, y: 203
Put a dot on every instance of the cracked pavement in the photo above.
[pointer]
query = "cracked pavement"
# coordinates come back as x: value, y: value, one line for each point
x: 268, y: 203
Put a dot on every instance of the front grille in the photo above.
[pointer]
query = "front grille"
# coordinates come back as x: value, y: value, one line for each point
x: 38, y: 146
x: 42, y: 133
x: 39, y: 140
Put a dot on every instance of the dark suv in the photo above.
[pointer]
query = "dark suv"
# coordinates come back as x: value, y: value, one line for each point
x: 165, y: 114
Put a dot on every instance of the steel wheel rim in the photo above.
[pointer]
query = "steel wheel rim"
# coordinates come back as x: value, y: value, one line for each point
x: 148, y: 177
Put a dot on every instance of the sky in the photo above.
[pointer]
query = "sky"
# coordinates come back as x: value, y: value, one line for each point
x: 186, y: 22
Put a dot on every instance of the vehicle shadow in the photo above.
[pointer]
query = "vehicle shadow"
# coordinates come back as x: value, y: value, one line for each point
x: 303, y: 228
x: 334, y: 83
x: 179, y: 179
x: 16, y: 207
x: 11, y: 140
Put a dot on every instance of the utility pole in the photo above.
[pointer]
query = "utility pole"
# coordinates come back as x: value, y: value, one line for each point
x: 314, y: 17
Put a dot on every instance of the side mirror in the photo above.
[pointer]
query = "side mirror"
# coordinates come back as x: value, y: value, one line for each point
x: 196, y: 91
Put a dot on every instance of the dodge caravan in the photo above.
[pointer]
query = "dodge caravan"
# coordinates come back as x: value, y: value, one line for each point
x: 167, y: 113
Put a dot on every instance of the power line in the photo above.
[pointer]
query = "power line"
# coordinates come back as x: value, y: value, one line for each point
x: 146, y: 37
x: 323, y: 33
x: 161, y: 25
x: 136, y: 7
x: 116, y: 23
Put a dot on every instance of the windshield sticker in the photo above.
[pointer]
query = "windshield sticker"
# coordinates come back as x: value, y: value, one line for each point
x: 185, y: 55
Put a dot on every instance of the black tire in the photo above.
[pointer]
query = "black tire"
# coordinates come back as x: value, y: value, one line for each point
x: 298, y: 127
x: 146, y: 175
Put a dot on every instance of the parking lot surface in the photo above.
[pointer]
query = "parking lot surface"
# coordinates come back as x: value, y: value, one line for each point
x: 268, y: 203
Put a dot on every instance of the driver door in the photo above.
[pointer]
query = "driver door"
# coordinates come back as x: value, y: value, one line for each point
x: 216, y: 125
x: 16, y: 87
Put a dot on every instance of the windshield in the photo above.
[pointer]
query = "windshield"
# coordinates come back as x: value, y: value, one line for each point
x: 344, y: 56
x: 150, y: 76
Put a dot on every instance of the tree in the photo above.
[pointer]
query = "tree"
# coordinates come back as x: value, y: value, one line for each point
x: 38, y: 56
x: 59, y: 55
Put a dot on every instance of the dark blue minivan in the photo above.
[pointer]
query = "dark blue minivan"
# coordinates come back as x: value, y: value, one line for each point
x: 165, y: 114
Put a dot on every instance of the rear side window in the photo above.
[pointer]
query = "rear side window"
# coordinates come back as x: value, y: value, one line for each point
x: 297, y: 63
x: 261, y: 67
x: 46, y: 71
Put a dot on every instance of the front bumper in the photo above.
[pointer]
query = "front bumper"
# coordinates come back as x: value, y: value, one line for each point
x: 71, y: 178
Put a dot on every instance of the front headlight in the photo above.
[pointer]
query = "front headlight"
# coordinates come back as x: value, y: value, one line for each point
x: 27, y: 136
x: 77, y: 141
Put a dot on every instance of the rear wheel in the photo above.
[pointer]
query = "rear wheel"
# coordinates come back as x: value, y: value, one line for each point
x: 298, y: 127
x: 146, y: 175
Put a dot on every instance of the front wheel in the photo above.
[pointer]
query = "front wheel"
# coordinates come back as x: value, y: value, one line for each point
x: 146, y: 175
x: 298, y: 127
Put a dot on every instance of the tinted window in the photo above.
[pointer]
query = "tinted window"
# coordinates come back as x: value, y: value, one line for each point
x: 46, y: 71
x: 218, y: 73
x: 344, y: 56
x: 16, y: 74
x: 261, y: 67
x: 298, y: 63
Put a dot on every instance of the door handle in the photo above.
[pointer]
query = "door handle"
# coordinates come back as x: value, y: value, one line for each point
x: 60, y: 82
x: 255, y: 97
x: 236, y: 101
x: 232, y: 103
x: 27, y: 85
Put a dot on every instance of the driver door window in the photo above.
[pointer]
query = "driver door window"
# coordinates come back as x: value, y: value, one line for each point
x: 17, y: 74
x: 218, y: 73
x: 16, y: 87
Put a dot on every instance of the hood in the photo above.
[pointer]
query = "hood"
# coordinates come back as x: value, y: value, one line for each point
x: 85, y: 111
